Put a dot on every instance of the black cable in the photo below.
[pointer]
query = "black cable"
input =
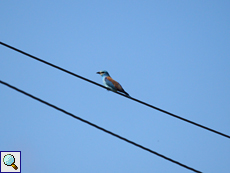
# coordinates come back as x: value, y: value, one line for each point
x: 98, y: 127
x: 154, y: 107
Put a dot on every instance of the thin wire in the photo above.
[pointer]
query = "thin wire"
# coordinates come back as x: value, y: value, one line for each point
x: 98, y: 127
x: 139, y: 101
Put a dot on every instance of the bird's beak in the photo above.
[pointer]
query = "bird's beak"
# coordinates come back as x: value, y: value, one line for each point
x: 98, y: 72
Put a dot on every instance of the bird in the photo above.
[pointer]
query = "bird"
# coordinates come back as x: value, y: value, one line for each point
x: 110, y: 83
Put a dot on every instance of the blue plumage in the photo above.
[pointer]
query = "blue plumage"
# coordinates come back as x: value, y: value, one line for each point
x: 110, y: 83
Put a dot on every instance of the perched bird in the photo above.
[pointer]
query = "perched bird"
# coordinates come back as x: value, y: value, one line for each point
x: 110, y: 83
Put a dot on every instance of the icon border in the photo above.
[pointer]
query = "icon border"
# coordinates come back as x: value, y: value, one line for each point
x: 20, y: 162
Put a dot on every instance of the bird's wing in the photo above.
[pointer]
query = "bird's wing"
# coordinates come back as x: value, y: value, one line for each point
x: 113, y: 84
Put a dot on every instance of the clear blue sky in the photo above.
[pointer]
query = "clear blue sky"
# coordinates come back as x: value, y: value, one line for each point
x: 172, y: 54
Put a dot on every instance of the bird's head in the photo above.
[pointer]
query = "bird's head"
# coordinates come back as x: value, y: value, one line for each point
x: 103, y: 73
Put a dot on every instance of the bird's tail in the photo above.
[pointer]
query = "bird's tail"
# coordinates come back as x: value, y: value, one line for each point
x: 126, y: 93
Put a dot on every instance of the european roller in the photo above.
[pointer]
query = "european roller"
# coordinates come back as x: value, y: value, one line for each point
x: 110, y: 83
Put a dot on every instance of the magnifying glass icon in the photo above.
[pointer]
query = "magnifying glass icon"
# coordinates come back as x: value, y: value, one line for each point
x: 9, y: 161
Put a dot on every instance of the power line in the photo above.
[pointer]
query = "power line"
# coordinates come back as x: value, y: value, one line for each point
x: 139, y: 101
x: 98, y: 127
